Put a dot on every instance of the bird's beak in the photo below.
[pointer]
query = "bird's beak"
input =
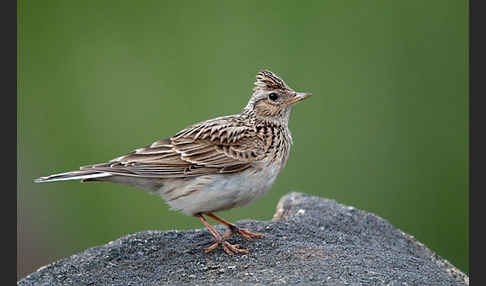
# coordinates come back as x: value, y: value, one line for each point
x: 297, y: 97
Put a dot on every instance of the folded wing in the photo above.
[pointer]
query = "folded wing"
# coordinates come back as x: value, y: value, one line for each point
x: 214, y: 147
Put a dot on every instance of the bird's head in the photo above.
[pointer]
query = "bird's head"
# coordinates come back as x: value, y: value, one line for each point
x: 272, y: 98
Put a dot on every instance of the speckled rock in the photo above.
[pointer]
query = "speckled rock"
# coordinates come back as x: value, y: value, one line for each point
x: 310, y: 240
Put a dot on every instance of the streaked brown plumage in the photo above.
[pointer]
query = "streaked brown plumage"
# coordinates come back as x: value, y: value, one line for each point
x: 214, y: 165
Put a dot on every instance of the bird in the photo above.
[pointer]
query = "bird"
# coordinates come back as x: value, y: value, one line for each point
x: 214, y: 165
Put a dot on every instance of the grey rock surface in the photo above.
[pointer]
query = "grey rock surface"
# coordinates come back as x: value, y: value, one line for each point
x: 310, y: 241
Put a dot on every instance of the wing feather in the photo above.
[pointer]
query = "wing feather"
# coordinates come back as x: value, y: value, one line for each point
x: 221, y: 145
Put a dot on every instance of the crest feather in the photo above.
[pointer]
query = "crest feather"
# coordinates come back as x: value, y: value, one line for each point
x: 267, y: 80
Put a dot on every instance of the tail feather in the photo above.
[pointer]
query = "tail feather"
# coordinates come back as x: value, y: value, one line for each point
x: 74, y: 175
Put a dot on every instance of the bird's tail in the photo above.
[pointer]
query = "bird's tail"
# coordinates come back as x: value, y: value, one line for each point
x: 74, y: 175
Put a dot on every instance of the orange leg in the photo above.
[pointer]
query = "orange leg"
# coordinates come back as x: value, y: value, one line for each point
x: 228, y: 248
x: 234, y: 229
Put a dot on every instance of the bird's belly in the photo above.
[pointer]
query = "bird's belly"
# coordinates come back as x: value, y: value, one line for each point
x: 219, y: 192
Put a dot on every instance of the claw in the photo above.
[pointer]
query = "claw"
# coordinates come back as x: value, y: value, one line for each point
x: 226, y: 248
x: 248, y: 235
x: 235, y: 248
x: 229, y: 248
x: 211, y: 248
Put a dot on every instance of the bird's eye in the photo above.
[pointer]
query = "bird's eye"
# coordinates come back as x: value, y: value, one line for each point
x: 273, y: 96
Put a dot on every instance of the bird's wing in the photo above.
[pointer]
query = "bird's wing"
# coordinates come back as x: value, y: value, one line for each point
x: 212, y: 147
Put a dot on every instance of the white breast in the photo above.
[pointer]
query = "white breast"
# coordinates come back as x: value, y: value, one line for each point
x: 213, y: 193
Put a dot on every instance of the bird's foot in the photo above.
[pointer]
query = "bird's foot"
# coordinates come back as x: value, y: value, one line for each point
x: 228, y: 247
x: 243, y: 232
x: 248, y: 234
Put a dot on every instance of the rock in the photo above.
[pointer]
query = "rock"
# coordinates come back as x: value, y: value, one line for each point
x: 310, y: 240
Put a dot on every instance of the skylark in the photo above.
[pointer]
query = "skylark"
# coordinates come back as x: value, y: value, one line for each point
x: 215, y: 165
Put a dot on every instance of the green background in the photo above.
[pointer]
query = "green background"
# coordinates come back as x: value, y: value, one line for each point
x: 386, y: 130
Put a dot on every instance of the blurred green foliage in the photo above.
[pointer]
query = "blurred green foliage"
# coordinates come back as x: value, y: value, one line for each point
x: 386, y: 130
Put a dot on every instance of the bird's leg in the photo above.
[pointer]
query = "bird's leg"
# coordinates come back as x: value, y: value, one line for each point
x: 234, y: 229
x: 228, y: 248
